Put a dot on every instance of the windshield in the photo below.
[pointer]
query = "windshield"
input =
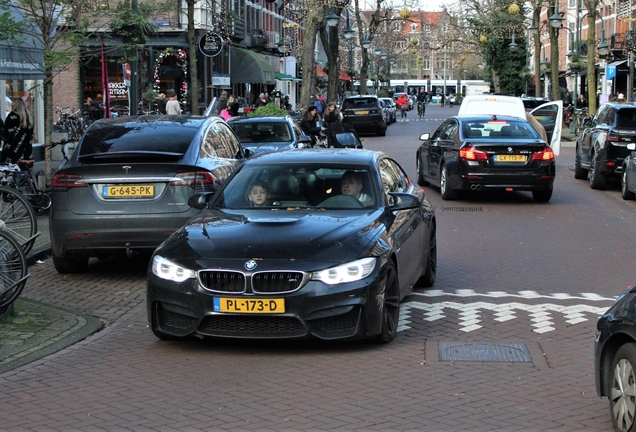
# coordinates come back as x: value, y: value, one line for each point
x: 249, y: 132
x: 499, y: 129
x: 288, y: 186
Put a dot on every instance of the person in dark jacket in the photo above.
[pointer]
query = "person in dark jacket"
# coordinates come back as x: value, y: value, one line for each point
x: 17, y: 134
x: 232, y: 106
x: 311, y: 125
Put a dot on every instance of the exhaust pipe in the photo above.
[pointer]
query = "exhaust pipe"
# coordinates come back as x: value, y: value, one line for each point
x: 475, y: 187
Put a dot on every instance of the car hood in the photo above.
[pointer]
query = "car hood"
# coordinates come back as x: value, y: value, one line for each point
x: 265, y: 234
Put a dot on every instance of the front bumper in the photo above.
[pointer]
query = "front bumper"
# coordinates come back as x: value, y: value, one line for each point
x: 344, y: 311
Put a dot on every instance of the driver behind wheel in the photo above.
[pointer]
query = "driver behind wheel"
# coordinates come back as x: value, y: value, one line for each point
x: 351, y: 184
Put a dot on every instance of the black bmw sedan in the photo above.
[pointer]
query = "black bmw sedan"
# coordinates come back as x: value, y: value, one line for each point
x: 472, y: 153
x: 303, y: 243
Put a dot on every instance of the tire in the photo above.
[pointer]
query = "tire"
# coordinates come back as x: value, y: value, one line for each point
x: 430, y: 270
x: 70, y: 265
x: 382, y: 131
x: 13, y: 269
x: 597, y: 180
x: 390, y: 314
x: 621, y: 388
x: 420, y: 175
x: 626, y: 193
x: 579, y: 172
x: 542, y: 195
x: 18, y: 218
x: 445, y: 190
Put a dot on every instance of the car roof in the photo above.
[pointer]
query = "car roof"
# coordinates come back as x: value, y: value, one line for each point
x: 361, y: 96
x: 309, y: 156
x: 145, y: 121
x: 620, y: 105
x: 258, y: 119
x: 489, y: 104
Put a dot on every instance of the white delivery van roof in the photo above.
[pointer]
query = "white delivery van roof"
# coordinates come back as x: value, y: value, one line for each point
x: 489, y: 104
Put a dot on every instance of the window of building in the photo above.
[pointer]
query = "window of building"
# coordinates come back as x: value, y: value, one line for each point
x: 413, y: 27
x: 427, y: 27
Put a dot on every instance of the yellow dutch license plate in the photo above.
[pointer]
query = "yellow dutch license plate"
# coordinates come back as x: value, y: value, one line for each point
x: 510, y: 158
x: 128, y: 191
x: 538, y: 117
x: 250, y: 306
x: 362, y: 112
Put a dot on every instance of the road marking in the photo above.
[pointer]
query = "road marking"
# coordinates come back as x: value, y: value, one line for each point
x: 542, y: 316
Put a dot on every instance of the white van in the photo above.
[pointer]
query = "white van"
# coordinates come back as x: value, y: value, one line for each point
x: 549, y: 115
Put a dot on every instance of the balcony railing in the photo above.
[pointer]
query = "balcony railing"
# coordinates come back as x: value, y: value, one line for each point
x: 617, y: 42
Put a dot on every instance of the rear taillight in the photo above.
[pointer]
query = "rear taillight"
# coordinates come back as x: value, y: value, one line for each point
x: 67, y: 181
x: 471, y: 153
x: 545, y: 155
x: 195, y: 178
x: 612, y: 136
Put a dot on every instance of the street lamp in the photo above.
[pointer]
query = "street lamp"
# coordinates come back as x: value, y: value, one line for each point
x: 513, y: 46
x: 332, y: 18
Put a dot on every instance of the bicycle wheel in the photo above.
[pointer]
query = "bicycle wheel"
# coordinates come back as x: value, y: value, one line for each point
x: 18, y: 218
x: 13, y: 269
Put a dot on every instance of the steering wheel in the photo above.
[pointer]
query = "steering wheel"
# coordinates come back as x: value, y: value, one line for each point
x: 341, y: 201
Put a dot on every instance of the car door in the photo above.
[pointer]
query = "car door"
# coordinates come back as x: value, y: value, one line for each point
x: 550, y: 115
x: 441, y: 147
x: 425, y: 149
x: 408, y: 230
x: 588, y: 137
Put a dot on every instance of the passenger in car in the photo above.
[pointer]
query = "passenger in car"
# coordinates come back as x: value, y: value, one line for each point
x: 258, y: 194
x: 351, y: 184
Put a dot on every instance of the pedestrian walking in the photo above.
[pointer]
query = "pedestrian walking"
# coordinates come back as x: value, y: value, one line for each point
x: 403, y: 105
x: 17, y: 134
x: 172, y: 106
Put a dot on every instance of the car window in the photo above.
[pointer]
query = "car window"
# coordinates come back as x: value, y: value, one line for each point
x: 600, y: 114
x: 360, y: 103
x: 546, y: 115
x: 626, y: 118
x: 499, y: 129
x: 451, y: 130
x: 219, y: 142
x: 304, y: 186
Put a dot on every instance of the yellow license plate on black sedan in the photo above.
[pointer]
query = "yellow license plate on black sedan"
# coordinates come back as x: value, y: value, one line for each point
x: 250, y: 306
x: 510, y: 158
x: 128, y: 191
x: 362, y: 112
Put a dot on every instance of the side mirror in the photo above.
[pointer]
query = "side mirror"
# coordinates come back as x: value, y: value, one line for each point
x: 200, y: 200
x: 248, y: 153
x: 425, y: 136
x: 403, y: 201
x: 588, y: 122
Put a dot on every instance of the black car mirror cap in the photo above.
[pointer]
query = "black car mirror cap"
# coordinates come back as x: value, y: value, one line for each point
x: 404, y: 201
x: 200, y: 200
x: 588, y: 121
x: 425, y: 136
x: 304, y: 139
x: 248, y: 153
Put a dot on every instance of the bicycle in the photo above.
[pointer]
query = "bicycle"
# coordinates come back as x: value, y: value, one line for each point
x: 20, y: 177
x: 580, y: 114
x: 13, y: 269
x: 17, y: 217
x: 421, y: 109
x: 69, y: 122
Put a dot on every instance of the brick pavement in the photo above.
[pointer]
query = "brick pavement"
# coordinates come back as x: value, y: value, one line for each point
x: 124, y: 378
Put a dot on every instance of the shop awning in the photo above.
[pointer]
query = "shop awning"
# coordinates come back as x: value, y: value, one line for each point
x: 249, y: 67
x: 344, y: 77
x: 23, y: 58
x: 284, y: 77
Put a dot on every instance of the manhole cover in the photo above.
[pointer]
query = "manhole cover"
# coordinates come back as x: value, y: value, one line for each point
x: 484, y: 352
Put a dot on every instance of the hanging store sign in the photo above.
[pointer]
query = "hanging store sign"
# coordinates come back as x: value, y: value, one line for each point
x: 211, y: 44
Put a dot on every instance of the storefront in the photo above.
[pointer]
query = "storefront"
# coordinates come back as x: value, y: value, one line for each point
x: 21, y: 75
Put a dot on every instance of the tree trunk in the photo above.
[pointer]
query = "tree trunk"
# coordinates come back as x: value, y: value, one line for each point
x: 591, y: 5
x: 48, y: 122
x: 314, y: 19
x: 554, y: 59
x: 192, y: 60
x: 538, y: 91
x: 331, y: 42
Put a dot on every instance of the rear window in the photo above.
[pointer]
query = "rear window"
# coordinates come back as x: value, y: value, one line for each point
x: 143, y: 138
x: 262, y: 132
x: 626, y: 118
x: 499, y: 129
x: 360, y: 103
x: 531, y: 104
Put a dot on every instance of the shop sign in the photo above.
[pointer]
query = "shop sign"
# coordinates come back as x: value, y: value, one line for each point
x: 211, y: 44
x: 221, y: 81
x: 117, y: 90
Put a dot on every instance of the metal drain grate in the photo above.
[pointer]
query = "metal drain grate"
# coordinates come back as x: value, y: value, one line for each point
x: 483, y: 352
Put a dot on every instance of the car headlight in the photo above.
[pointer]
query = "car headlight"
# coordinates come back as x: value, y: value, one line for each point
x: 166, y: 269
x: 350, y: 272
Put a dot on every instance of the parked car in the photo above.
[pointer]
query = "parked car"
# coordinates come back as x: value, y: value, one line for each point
x: 392, y: 108
x: 602, y: 147
x: 365, y: 114
x: 615, y: 360
x: 338, y: 240
x: 388, y: 111
x: 472, y: 153
x: 259, y: 134
x: 126, y: 186
x: 628, y: 174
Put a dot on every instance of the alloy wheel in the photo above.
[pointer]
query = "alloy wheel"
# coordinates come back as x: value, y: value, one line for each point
x: 623, y: 395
